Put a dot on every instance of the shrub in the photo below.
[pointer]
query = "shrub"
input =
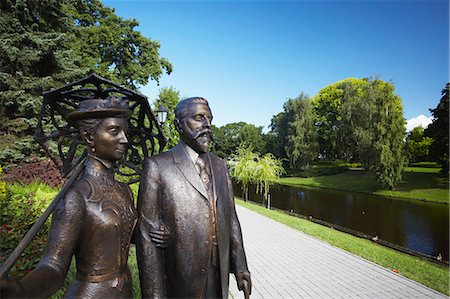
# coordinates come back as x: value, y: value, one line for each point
x: 21, y: 206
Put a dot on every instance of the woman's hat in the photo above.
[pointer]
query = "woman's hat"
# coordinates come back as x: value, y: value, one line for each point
x: 101, y: 108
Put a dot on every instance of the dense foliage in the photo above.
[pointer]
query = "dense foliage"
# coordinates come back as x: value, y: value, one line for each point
x: 20, y: 206
x: 417, y: 145
x: 229, y: 137
x: 169, y: 98
x: 439, y: 131
x: 110, y: 45
x: 353, y: 120
x: 46, y: 44
x: 302, y: 145
x: 247, y: 168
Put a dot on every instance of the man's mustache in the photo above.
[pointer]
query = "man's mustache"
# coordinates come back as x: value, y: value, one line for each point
x: 206, y: 133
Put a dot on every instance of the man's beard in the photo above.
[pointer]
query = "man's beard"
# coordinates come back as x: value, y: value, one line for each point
x: 202, y: 140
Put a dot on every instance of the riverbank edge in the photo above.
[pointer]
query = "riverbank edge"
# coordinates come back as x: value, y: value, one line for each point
x: 362, y: 192
x: 415, y: 268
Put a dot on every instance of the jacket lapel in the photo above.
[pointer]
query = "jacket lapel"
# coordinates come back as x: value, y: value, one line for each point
x: 187, y: 168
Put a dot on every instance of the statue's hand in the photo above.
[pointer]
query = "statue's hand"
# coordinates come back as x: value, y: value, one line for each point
x: 244, y: 282
x: 11, y: 288
x: 161, y: 237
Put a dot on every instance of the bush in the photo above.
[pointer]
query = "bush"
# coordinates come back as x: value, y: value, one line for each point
x: 20, y: 207
x: 316, y: 170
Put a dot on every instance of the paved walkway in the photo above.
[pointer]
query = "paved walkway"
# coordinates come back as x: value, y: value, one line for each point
x: 286, y: 263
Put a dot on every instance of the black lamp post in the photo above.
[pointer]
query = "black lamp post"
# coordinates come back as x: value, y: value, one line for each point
x: 162, y: 114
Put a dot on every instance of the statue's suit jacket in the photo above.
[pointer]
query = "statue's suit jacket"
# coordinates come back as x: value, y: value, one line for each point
x: 171, y: 192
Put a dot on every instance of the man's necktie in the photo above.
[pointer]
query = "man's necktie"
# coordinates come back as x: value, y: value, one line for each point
x: 203, y: 170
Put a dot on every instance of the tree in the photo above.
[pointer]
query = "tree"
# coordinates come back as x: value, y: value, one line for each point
x: 417, y: 145
x: 362, y: 120
x: 439, y: 131
x: 302, y: 146
x: 243, y: 167
x: 248, y: 168
x: 169, y: 98
x: 34, y: 57
x: 279, y: 128
x: 46, y: 44
x: 111, y: 47
x: 267, y: 172
x: 342, y: 110
x: 276, y: 138
x: 230, y: 136
x: 390, y: 133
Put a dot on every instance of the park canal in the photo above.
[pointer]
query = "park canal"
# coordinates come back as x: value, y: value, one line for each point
x: 412, y: 224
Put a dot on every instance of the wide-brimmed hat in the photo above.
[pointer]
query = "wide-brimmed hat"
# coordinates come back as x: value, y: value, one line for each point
x: 100, y: 108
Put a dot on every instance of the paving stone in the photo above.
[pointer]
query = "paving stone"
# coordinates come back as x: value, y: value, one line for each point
x: 286, y: 263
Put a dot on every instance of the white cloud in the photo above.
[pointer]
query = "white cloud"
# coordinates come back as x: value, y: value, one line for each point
x: 420, y: 120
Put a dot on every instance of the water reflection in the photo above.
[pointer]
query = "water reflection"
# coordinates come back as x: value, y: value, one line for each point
x: 416, y: 225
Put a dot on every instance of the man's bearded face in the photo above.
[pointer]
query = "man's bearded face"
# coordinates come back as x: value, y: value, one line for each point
x: 196, y: 127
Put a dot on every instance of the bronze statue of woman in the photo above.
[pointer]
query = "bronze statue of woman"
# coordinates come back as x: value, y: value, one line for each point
x: 95, y: 220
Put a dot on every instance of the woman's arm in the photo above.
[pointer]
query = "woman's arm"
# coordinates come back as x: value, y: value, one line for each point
x: 63, y: 237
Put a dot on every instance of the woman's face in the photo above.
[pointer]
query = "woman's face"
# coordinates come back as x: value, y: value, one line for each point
x: 109, y: 140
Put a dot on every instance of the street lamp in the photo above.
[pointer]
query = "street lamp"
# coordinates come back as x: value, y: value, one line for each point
x: 162, y: 114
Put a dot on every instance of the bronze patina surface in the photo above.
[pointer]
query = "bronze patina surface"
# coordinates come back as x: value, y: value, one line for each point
x: 94, y: 221
x: 188, y: 191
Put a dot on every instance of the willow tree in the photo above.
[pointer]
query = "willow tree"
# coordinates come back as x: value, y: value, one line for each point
x: 248, y: 168
x: 267, y: 173
x: 361, y: 120
x: 243, y: 166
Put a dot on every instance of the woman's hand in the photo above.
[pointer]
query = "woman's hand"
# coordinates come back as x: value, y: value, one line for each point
x: 161, y: 237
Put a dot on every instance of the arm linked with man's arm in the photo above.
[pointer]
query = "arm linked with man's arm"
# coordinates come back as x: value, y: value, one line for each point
x: 150, y: 257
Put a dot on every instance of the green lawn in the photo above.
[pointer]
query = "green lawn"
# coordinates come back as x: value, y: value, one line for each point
x: 424, y: 272
x: 418, y: 183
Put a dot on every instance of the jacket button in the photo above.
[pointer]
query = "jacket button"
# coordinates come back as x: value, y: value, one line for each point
x: 206, y: 215
x: 203, y: 271
x: 206, y: 243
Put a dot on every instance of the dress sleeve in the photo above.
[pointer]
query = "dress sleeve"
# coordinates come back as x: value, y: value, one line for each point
x: 49, y: 276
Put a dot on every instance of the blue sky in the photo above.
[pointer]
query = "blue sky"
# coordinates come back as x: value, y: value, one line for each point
x: 248, y: 57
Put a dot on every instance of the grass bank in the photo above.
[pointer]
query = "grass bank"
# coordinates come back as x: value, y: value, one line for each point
x: 418, y: 183
x: 424, y: 272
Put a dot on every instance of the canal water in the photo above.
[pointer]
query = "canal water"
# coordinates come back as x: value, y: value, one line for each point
x: 412, y: 224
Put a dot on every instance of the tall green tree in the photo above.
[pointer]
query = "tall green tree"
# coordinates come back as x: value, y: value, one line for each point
x: 342, y: 111
x: 47, y: 44
x: 230, y: 136
x: 417, y: 145
x: 277, y: 138
x: 362, y: 120
x: 390, y: 133
x: 439, y: 131
x: 34, y: 56
x: 111, y: 46
x: 169, y: 98
x: 302, y: 146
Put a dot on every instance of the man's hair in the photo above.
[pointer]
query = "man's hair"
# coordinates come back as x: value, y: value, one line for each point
x: 181, y: 109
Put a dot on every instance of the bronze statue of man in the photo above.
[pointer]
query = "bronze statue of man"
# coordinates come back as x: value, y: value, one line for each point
x: 188, y: 191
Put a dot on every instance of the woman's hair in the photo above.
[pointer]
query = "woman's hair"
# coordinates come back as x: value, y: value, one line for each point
x: 88, y: 125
